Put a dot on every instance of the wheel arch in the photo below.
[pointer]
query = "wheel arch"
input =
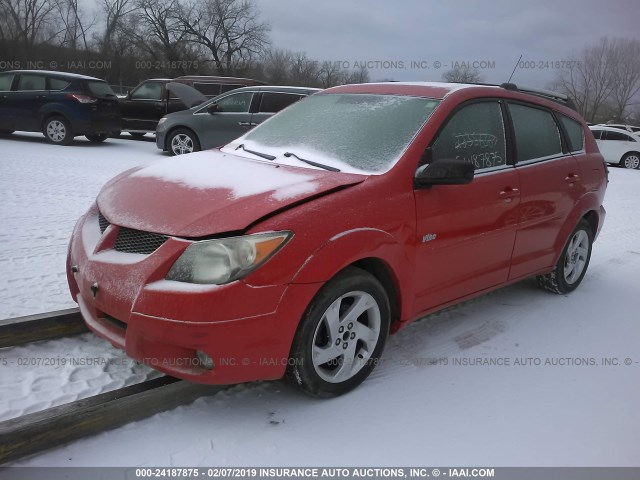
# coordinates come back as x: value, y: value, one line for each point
x: 170, y: 132
x: 373, y: 251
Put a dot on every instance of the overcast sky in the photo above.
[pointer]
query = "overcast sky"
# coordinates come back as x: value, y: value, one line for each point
x: 428, y: 31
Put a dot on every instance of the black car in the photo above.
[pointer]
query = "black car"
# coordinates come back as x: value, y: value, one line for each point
x: 60, y: 105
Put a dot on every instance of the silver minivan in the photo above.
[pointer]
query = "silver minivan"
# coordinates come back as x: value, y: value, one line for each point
x: 224, y: 118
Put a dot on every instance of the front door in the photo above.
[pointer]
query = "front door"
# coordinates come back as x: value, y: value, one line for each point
x: 467, y: 232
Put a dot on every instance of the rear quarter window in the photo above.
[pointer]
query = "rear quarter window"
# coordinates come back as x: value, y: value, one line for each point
x: 575, y: 133
x: 58, y: 84
x: 536, y: 133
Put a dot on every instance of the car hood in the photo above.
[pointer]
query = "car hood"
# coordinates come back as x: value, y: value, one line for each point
x: 210, y: 192
x: 187, y: 95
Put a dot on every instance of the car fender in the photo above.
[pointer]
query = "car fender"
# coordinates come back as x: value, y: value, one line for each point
x: 55, y: 109
x: 348, y: 247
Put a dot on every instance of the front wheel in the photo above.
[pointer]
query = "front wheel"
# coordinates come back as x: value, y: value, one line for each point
x: 57, y: 130
x: 573, y: 263
x: 183, y: 141
x: 341, y: 335
x: 630, y: 160
x: 97, y: 137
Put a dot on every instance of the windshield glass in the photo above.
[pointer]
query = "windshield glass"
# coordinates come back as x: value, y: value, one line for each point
x: 102, y: 89
x: 353, y: 132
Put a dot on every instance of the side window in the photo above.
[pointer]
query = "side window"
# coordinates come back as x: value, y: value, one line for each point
x: 575, y: 133
x: 6, y: 79
x: 474, y: 133
x: 274, y: 102
x: 148, y: 91
x: 597, y: 134
x: 617, y: 136
x: 58, y: 84
x: 30, y: 81
x: 537, y: 135
x: 208, y: 89
x: 236, y: 103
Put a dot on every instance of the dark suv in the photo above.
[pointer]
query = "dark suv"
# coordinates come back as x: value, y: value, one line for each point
x: 60, y: 105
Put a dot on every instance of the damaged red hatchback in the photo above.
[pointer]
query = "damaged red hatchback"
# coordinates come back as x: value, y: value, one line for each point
x: 295, y: 250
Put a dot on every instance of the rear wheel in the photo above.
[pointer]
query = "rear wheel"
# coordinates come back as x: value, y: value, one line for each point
x: 57, y: 130
x: 183, y: 141
x: 97, y: 137
x: 573, y: 262
x: 341, y: 335
x: 631, y: 160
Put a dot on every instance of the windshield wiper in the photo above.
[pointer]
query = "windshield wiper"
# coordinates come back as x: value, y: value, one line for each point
x: 258, y: 154
x: 309, y: 162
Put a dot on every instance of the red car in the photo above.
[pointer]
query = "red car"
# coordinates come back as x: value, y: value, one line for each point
x: 295, y: 250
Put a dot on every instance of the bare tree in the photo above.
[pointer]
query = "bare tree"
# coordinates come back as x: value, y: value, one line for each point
x: 277, y: 65
x: 588, y: 78
x: 626, y: 76
x: 330, y: 74
x: 115, y: 12
x: 159, y: 30
x: 463, y: 74
x: 229, y: 31
x: 357, y: 76
x: 26, y: 21
x: 304, y: 71
x: 74, y: 26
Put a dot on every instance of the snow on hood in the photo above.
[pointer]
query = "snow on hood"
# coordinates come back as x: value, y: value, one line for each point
x: 210, y: 192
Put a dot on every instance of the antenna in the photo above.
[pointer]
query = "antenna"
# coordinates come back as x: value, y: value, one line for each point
x: 514, y: 69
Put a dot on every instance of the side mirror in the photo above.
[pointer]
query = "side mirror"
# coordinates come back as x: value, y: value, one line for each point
x: 213, y: 108
x: 447, y: 171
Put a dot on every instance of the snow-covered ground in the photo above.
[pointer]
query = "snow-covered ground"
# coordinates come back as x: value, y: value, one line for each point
x: 569, y: 410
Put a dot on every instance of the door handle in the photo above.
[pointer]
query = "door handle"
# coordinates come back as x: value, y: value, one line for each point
x: 244, y: 124
x: 509, y: 193
x: 572, y: 178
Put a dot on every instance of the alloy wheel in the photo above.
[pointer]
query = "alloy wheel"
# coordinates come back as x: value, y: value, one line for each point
x: 181, y: 144
x: 576, y: 256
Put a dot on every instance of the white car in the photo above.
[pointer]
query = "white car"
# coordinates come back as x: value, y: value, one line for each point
x: 617, y: 146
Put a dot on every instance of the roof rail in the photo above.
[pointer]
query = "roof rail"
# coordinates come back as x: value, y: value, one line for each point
x: 553, y: 96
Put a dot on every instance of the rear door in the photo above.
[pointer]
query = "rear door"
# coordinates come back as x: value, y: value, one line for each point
x: 6, y: 101
x: 272, y: 102
x: 30, y: 96
x: 467, y: 232
x: 550, y: 187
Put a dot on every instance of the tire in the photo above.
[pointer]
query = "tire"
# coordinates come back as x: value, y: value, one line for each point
x: 137, y: 134
x: 573, y: 262
x: 97, y: 137
x: 631, y: 160
x: 322, y: 335
x: 182, y: 141
x: 115, y: 134
x: 57, y: 130
x: 6, y: 132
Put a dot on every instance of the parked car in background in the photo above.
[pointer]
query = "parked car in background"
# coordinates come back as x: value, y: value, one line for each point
x: 297, y: 248
x: 224, y: 118
x: 150, y: 100
x: 628, y: 128
x: 618, y: 147
x: 60, y: 105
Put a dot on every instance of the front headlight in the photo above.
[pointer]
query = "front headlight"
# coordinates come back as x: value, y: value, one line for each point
x: 161, y: 121
x: 227, y: 259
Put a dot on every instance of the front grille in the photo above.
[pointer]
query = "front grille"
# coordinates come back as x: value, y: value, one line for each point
x: 135, y: 241
x: 103, y: 222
